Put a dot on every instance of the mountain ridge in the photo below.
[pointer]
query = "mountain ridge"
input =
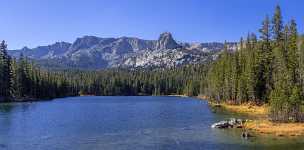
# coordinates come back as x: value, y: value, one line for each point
x: 97, y: 53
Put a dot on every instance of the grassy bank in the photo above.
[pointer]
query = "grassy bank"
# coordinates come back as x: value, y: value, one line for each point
x: 261, y: 124
x: 279, y: 129
x: 247, y: 109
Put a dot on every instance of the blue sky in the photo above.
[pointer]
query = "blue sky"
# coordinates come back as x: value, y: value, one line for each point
x: 41, y: 22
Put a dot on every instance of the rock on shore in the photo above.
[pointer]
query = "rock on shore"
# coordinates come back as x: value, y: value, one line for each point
x: 231, y: 123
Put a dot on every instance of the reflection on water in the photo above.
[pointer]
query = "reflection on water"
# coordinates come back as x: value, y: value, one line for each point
x: 123, y: 123
x: 6, y: 108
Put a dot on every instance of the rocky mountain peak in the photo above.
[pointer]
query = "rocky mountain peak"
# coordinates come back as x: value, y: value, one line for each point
x: 60, y: 47
x: 85, y: 42
x: 25, y: 48
x: 61, y: 44
x: 166, y: 41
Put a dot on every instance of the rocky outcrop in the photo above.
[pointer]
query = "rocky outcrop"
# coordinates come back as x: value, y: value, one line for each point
x: 166, y: 41
x: 84, y: 42
x: 231, y: 123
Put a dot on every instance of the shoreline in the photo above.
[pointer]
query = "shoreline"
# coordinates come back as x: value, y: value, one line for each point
x: 21, y: 100
x: 261, y: 125
x: 31, y: 100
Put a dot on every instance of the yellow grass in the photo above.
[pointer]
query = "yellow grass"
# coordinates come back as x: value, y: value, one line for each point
x: 248, y: 109
x: 261, y: 125
x: 279, y: 129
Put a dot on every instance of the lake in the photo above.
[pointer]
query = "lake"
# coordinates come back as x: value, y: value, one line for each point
x: 124, y: 123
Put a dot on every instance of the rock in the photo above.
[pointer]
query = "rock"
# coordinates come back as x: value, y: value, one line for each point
x: 240, y: 121
x: 232, y: 122
x: 221, y: 124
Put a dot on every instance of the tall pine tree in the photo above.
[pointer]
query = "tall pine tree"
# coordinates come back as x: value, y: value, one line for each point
x: 5, y: 72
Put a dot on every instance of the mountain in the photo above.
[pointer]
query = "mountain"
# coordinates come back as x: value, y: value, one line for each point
x: 91, y: 52
x: 43, y: 52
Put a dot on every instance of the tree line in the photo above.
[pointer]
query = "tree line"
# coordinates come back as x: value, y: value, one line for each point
x: 22, y: 80
x: 268, y: 69
x: 186, y: 80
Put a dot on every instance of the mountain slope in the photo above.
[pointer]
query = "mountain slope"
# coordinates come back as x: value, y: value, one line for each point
x: 92, y: 52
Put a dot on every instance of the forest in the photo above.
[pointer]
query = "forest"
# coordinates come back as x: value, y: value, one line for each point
x: 264, y: 70
x: 268, y: 69
x: 22, y: 80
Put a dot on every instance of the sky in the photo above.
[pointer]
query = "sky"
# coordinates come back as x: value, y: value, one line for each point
x: 41, y: 22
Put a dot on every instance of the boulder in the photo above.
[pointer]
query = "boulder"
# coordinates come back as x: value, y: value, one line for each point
x: 231, y: 123
x: 222, y: 124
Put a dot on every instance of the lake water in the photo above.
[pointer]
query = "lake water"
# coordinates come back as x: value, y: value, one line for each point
x: 123, y: 123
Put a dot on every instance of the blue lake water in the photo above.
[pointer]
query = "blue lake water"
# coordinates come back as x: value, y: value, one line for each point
x: 124, y: 123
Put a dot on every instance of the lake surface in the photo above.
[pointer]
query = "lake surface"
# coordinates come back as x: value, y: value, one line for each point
x: 123, y: 123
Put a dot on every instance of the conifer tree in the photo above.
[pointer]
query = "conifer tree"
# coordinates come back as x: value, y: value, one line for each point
x: 14, y: 85
x: 266, y: 59
x: 5, y: 72
x: 301, y: 63
x: 277, y: 27
x: 293, y: 54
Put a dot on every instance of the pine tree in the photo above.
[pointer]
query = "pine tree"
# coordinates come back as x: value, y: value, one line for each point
x: 293, y: 55
x: 242, y: 92
x: 265, y: 60
x: 235, y: 76
x: 294, y: 102
x: 280, y: 105
x: 301, y: 63
x: 277, y: 27
x: 5, y: 78
x: 21, y: 78
x: 14, y: 85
